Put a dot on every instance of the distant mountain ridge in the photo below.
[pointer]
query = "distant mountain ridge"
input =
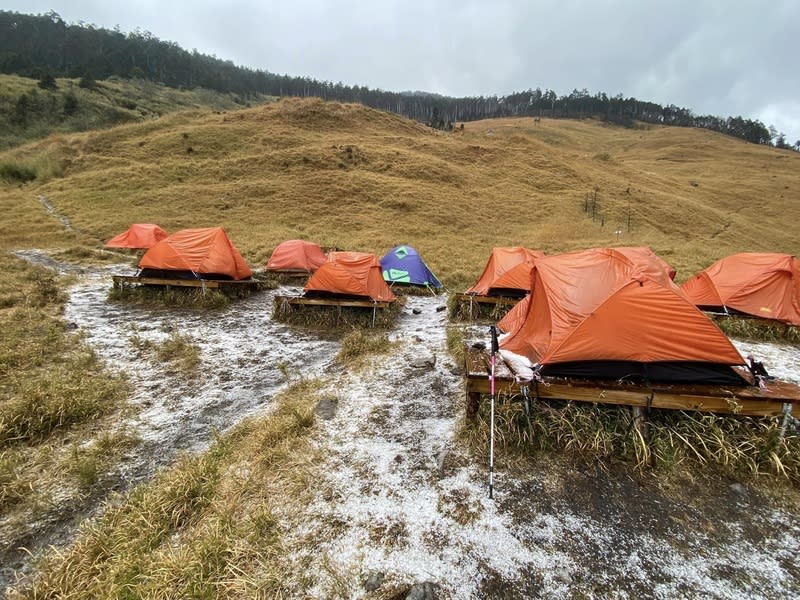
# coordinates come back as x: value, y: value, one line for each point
x: 45, y: 45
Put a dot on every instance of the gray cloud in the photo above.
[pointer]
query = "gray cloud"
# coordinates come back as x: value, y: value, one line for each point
x: 715, y: 57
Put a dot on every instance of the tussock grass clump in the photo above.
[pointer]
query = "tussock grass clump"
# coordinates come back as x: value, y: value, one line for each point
x: 747, y: 446
x: 178, y: 352
x: 758, y: 329
x: 211, y: 526
x: 455, y: 342
x: 359, y: 344
x: 68, y: 395
x: 173, y: 297
x: 463, y: 310
x: 50, y: 380
x: 337, y: 318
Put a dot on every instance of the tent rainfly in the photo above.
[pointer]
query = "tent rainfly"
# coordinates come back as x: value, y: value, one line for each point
x: 507, y: 272
x: 404, y: 265
x: 765, y: 285
x: 637, y: 254
x: 350, y: 275
x: 598, y: 314
x: 195, y: 253
x: 296, y: 256
x: 139, y: 236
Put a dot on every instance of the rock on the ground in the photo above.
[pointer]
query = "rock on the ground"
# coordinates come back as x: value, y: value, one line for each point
x: 422, y: 591
x: 326, y: 408
x: 424, y: 362
x: 374, y: 581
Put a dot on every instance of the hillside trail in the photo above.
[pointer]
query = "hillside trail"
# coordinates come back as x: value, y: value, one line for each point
x: 401, y: 507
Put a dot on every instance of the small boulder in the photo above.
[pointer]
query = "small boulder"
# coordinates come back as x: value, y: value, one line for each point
x: 424, y: 362
x: 374, y: 581
x: 738, y: 488
x: 422, y: 591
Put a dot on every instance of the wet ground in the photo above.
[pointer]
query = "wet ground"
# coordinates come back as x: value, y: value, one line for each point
x: 400, y: 503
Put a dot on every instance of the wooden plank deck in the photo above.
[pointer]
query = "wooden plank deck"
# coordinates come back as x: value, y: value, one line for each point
x: 348, y: 302
x: 245, y: 284
x: 749, y: 400
x: 501, y: 300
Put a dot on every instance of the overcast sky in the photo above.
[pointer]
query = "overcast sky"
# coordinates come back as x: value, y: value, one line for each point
x: 720, y: 57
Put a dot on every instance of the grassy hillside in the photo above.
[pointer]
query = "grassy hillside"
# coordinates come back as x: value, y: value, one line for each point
x: 352, y: 177
x: 28, y: 112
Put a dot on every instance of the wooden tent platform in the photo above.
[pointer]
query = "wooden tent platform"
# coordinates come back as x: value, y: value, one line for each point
x: 778, y: 398
x: 476, y: 299
x: 281, y: 302
x: 291, y: 273
x: 121, y: 281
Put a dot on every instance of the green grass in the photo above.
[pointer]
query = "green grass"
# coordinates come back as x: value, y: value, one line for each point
x: 358, y: 345
x: 28, y: 112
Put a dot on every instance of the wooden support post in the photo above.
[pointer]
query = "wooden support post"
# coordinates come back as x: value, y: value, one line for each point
x: 473, y: 405
x: 639, y: 421
x: 787, y: 414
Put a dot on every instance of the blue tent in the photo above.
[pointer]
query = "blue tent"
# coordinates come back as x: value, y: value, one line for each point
x: 402, y: 264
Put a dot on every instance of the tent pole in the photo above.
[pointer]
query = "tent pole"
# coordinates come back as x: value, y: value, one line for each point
x: 495, y: 348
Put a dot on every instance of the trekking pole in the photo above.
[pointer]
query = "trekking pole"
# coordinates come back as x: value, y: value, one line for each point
x: 493, y: 361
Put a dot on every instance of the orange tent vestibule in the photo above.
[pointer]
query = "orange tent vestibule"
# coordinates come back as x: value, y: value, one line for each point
x: 139, y: 236
x: 507, y: 272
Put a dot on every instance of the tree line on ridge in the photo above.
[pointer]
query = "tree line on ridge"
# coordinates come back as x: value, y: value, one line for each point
x: 45, y: 46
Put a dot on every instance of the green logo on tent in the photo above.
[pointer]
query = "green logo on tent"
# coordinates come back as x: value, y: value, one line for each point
x: 401, y: 252
x: 397, y: 275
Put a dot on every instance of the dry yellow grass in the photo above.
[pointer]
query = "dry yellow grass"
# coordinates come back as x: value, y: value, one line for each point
x: 355, y: 178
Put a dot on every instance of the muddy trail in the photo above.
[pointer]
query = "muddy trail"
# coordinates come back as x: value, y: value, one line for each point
x: 401, y: 506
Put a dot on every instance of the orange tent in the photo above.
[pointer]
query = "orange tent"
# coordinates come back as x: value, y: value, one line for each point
x: 138, y: 236
x: 599, y: 314
x: 350, y: 274
x: 514, y: 318
x: 296, y: 256
x: 764, y: 285
x: 507, y: 272
x: 645, y: 254
x: 199, y: 253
